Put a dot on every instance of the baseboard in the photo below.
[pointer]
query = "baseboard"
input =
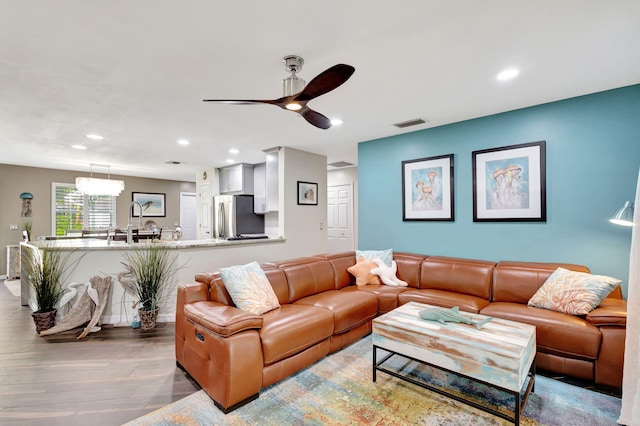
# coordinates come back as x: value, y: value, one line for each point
x: 117, y: 321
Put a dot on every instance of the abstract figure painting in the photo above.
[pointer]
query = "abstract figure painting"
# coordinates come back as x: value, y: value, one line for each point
x: 427, y: 188
x: 509, y: 184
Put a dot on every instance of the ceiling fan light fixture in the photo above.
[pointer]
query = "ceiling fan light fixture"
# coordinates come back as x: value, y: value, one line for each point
x: 293, y: 106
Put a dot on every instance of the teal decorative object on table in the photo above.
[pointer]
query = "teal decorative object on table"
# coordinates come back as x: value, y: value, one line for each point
x: 443, y: 316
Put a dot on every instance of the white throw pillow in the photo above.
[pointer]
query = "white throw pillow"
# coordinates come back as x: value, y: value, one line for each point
x: 249, y: 288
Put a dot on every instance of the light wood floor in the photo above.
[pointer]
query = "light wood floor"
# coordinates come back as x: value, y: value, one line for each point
x: 108, y: 378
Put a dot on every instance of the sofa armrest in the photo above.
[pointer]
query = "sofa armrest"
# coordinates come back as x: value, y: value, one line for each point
x: 221, y: 319
x: 610, y: 312
x: 192, y: 292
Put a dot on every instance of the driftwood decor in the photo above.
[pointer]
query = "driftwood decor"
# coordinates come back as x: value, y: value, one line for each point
x: 87, y: 309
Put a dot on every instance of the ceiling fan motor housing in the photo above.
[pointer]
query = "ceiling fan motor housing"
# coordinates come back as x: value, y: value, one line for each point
x: 292, y: 84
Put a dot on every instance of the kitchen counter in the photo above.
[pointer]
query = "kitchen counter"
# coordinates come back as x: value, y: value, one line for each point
x: 101, y: 258
x: 101, y: 244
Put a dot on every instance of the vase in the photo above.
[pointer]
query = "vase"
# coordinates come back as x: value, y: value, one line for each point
x: 148, y: 319
x: 44, y: 320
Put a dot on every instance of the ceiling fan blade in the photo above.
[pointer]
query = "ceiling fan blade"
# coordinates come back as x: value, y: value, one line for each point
x: 315, y: 118
x: 325, y: 82
x: 239, y: 101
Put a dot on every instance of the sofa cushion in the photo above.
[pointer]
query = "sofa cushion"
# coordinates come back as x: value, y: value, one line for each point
x: 464, y: 276
x: 291, y: 329
x: 517, y: 282
x: 349, y: 309
x: 308, y: 278
x: 249, y: 288
x: 556, y: 332
x: 574, y: 293
x: 445, y: 299
x: 362, y: 271
x: 387, y: 295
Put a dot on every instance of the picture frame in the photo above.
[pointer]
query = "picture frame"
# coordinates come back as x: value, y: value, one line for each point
x: 509, y: 183
x: 427, y: 189
x: 153, y: 204
x: 307, y: 193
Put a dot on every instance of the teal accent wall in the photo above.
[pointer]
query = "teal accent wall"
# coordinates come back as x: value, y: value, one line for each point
x: 592, y: 158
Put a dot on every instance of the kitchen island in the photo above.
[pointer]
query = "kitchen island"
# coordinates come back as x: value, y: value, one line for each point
x: 104, y: 258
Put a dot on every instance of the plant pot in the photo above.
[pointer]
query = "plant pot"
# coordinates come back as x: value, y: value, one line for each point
x: 148, y: 319
x: 44, y: 320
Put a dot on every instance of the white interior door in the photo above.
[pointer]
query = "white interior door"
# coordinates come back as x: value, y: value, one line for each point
x: 188, y: 215
x: 340, y: 218
x: 205, y: 205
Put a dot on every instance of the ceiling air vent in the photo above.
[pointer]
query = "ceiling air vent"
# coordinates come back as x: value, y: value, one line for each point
x: 410, y: 123
x: 174, y: 162
x: 340, y: 164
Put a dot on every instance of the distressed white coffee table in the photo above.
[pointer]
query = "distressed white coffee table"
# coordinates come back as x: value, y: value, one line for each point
x: 501, y: 355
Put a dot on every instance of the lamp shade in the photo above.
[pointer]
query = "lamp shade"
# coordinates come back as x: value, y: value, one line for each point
x: 96, y: 186
x: 624, y: 216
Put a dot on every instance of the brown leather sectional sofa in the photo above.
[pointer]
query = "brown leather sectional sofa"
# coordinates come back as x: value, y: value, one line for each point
x: 232, y: 353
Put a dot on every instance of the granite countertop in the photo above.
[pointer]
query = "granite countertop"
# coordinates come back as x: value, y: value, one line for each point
x: 99, y: 244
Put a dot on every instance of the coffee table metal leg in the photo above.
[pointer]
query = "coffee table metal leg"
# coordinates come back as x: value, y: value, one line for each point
x: 374, y: 363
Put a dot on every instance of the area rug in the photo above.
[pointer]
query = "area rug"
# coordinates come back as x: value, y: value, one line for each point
x: 338, y: 390
x: 13, y: 286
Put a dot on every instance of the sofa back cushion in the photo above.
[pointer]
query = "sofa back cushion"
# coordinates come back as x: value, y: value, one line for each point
x: 307, y: 276
x: 517, y: 282
x: 466, y: 276
x: 409, y: 266
x: 218, y: 292
x: 340, y: 262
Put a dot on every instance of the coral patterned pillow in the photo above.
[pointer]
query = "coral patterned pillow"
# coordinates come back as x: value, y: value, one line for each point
x: 249, y: 288
x: 575, y: 293
x: 362, y: 272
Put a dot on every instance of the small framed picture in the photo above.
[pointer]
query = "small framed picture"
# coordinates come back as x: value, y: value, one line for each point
x: 307, y: 193
x: 427, y: 189
x: 152, y: 204
x: 509, y: 184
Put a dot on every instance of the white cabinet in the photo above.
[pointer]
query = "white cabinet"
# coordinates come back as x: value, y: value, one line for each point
x: 266, y: 183
x: 259, y: 188
x: 236, y: 179
x: 272, y: 180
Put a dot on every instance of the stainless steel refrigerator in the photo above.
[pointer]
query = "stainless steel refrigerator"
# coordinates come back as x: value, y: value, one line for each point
x: 234, y: 217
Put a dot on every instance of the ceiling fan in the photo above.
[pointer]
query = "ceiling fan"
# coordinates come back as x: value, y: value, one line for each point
x: 296, y: 94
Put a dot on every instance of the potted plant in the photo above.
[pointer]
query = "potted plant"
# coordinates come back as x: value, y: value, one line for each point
x: 46, y: 272
x: 150, y: 270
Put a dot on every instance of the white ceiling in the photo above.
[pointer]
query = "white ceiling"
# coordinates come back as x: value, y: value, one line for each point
x: 136, y: 72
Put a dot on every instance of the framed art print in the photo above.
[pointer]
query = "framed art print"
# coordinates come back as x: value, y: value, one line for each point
x: 307, y: 193
x: 427, y: 188
x: 153, y: 204
x: 509, y: 184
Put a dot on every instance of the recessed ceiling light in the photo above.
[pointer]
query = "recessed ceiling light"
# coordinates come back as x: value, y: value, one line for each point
x: 233, y: 151
x: 507, y: 74
x: 336, y: 122
x: 183, y: 142
x: 78, y: 147
x: 94, y: 137
x: 229, y: 160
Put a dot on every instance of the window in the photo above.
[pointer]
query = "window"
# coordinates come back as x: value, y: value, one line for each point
x: 73, y: 211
